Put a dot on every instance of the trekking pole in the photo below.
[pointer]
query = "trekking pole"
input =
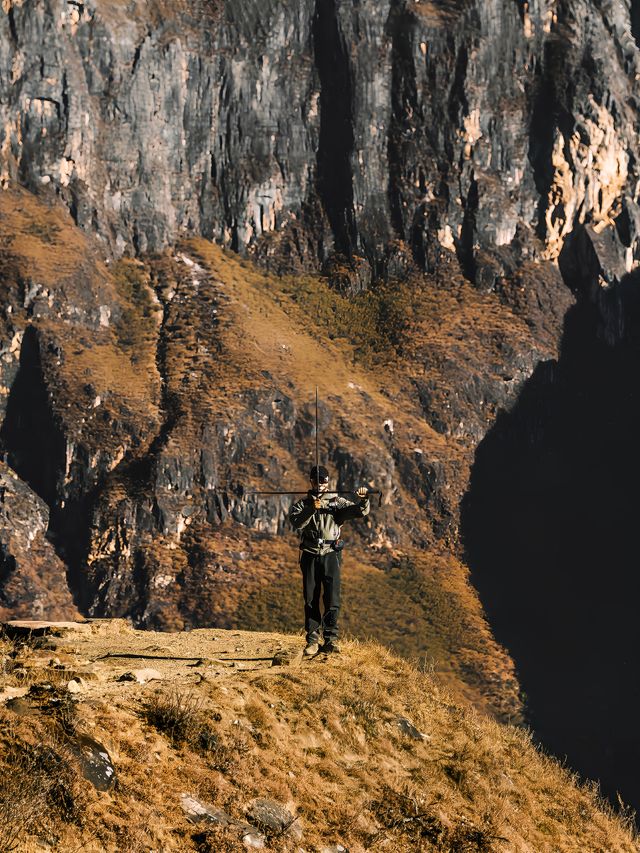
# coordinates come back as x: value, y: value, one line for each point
x: 334, y: 492
x: 317, y: 451
x: 330, y: 492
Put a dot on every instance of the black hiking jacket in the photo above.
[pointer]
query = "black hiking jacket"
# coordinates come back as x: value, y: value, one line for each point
x: 318, y: 528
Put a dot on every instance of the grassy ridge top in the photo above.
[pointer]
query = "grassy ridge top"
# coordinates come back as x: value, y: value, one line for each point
x: 363, y: 749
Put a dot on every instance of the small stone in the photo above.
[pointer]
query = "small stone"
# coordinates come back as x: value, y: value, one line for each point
x: 271, y: 815
x: 252, y: 841
x: 142, y: 676
x: 9, y: 693
x: 407, y: 728
x: 199, y: 812
x: 76, y: 685
x: 95, y: 762
x: 20, y: 707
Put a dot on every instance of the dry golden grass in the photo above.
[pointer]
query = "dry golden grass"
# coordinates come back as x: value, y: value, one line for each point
x: 322, y: 739
x: 265, y: 327
x: 45, y: 237
x: 364, y: 352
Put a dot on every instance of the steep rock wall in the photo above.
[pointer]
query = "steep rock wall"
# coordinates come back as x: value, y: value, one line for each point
x: 488, y: 129
x: 155, y: 121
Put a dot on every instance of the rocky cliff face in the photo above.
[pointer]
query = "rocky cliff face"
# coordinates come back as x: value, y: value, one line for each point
x: 425, y: 187
x: 491, y: 129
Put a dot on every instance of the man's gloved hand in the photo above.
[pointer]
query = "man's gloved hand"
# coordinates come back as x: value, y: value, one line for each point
x: 314, y: 500
x: 362, y: 493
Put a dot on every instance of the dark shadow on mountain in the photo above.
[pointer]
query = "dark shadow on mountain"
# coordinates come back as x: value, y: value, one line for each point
x: 335, y: 146
x: 30, y: 438
x: 33, y: 443
x: 551, y: 527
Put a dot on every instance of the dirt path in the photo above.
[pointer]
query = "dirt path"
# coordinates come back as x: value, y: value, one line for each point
x: 98, y: 655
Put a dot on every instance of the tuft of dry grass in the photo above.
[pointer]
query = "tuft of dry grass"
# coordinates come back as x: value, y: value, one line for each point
x: 364, y: 712
x: 257, y: 715
x: 40, y: 786
x: 416, y: 821
x: 178, y: 715
x: 24, y: 793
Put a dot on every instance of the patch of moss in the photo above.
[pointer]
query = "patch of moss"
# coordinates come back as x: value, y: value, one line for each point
x: 375, y: 322
x: 135, y: 326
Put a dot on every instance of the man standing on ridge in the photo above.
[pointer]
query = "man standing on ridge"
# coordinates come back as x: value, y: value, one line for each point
x: 318, y: 519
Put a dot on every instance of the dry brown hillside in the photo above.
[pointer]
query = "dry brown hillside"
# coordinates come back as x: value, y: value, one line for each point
x: 145, y: 400
x: 116, y: 739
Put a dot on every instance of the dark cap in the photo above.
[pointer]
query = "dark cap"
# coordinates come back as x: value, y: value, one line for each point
x: 319, y: 474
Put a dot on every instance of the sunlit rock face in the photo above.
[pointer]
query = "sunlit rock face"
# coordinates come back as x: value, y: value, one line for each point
x: 32, y: 577
x: 299, y: 129
x: 156, y: 120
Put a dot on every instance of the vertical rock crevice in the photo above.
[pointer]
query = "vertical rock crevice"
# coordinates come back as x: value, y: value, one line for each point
x: 465, y: 246
x: 404, y: 106
x: 547, y: 114
x: 12, y: 25
x: 336, y: 141
x: 635, y: 20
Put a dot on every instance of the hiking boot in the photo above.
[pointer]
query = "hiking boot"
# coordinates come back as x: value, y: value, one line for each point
x: 311, y: 649
x: 331, y: 648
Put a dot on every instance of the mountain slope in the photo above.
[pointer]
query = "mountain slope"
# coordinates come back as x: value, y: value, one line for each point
x: 177, y: 385
x: 363, y: 750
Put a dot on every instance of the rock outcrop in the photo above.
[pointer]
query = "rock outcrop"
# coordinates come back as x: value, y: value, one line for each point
x: 373, y: 131
x: 32, y: 577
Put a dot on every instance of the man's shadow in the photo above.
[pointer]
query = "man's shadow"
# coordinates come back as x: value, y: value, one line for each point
x: 551, y: 526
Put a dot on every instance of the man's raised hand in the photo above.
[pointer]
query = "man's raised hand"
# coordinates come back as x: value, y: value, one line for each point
x: 315, y: 501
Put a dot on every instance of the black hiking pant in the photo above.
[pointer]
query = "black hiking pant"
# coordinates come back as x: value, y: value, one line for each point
x: 321, y: 577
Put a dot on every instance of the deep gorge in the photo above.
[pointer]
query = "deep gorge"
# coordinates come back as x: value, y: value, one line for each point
x: 550, y: 525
